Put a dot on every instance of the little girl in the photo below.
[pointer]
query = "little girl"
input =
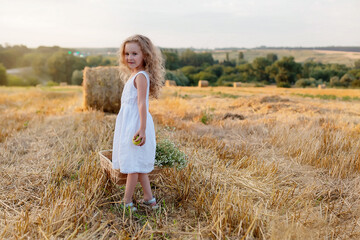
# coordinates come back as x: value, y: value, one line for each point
x: 143, y: 62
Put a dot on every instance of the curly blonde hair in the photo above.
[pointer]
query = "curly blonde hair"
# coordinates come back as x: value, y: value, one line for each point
x: 153, y: 62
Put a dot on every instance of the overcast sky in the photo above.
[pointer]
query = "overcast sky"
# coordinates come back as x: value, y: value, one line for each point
x: 181, y: 23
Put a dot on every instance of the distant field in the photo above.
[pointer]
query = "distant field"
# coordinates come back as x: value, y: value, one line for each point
x: 353, y: 93
x: 346, y: 58
x: 264, y: 163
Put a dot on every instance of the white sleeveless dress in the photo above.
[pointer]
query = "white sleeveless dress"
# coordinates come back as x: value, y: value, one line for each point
x: 126, y: 156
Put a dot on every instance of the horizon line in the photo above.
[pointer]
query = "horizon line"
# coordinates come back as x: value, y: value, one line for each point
x: 191, y: 47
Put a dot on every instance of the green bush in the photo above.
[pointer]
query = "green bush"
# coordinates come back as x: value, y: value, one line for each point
x: 77, y: 77
x: 168, y: 155
x: 172, y: 60
x: 227, y: 84
x: 3, y: 75
x: 216, y: 69
x: 18, y: 81
x: 305, y: 82
x: 206, y: 116
x: 189, y: 72
x: 52, y: 83
x: 205, y: 76
x: 335, y: 82
x: 32, y: 81
x: 178, y: 76
x: 355, y: 83
x: 283, y: 85
x: 14, y: 81
x: 230, y: 78
x: 259, y: 85
x: 346, y: 79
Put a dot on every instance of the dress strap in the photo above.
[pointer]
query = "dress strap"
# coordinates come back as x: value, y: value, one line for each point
x: 146, y: 76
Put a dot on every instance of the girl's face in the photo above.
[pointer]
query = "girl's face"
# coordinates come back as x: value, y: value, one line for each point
x: 134, y: 56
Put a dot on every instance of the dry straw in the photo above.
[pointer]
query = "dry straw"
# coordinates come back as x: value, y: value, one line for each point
x: 102, y: 88
x: 289, y: 170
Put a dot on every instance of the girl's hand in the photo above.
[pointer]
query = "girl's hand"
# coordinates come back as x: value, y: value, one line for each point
x: 142, y: 137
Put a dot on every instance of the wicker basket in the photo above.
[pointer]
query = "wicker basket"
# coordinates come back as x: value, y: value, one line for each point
x: 114, y: 174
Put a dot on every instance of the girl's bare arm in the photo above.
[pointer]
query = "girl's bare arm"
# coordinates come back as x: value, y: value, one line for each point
x: 141, y: 85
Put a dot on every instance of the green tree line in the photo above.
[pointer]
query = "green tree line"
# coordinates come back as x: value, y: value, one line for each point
x: 188, y: 67
x: 48, y: 64
x: 55, y: 65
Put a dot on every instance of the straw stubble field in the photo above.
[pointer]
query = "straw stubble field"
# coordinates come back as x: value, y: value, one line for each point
x: 264, y: 163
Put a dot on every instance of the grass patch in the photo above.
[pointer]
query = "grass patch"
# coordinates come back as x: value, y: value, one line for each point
x: 327, y: 97
x: 207, y: 116
x: 225, y: 95
x: 62, y: 89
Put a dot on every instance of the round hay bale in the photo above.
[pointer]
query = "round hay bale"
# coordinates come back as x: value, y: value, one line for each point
x: 321, y: 86
x: 169, y: 83
x: 237, y: 84
x: 203, y: 83
x: 102, y: 88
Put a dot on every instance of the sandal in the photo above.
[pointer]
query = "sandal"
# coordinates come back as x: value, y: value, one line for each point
x: 151, y: 203
x: 130, y: 206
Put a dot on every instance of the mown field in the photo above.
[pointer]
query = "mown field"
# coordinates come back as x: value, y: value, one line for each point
x: 264, y: 163
x: 340, y: 57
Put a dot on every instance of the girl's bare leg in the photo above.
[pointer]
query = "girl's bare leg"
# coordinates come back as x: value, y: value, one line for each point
x: 145, y: 183
x: 131, y: 181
